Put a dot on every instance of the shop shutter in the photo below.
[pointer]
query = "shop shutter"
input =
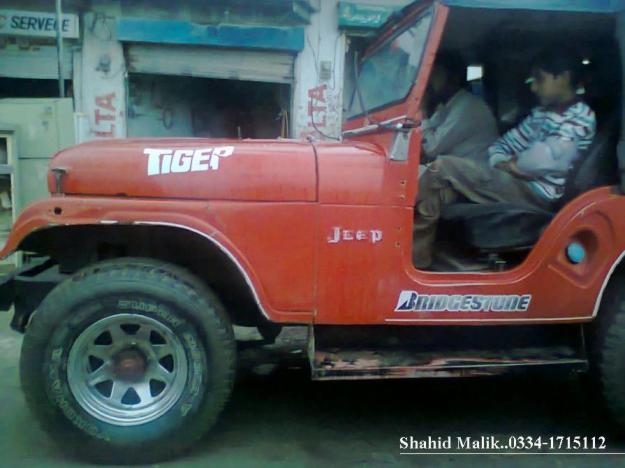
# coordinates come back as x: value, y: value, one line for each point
x: 211, y: 62
x: 36, y: 62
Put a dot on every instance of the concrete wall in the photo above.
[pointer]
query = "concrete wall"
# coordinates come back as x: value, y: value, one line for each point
x: 100, y: 79
x: 317, y: 96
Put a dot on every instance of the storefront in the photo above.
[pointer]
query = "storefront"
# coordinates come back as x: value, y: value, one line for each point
x: 28, y: 53
x: 34, y: 122
x: 218, y: 69
x: 190, y: 80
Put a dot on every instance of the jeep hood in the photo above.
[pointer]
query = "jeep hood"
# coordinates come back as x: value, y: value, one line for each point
x: 190, y: 168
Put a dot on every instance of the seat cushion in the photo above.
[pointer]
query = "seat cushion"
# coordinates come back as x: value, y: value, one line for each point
x: 496, y: 226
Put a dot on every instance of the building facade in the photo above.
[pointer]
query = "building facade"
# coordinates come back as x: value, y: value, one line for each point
x: 225, y: 68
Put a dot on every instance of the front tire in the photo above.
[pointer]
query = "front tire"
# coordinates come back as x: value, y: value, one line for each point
x: 129, y: 360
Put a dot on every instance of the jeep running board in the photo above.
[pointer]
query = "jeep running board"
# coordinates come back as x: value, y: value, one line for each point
x: 398, y: 357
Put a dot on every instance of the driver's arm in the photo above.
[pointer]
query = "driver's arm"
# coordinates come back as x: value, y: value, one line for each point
x: 446, y: 128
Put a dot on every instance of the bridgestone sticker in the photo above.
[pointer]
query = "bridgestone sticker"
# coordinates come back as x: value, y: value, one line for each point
x: 411, y: 301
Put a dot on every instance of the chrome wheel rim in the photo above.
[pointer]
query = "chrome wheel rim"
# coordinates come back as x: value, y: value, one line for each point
x: 127, y: 369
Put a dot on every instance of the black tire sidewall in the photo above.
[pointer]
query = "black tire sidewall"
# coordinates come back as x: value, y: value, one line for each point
x: 607, y: 355
x: 61, y: 318
x: 56, y: 378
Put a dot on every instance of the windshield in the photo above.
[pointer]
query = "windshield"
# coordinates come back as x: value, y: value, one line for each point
x: 387, y: 75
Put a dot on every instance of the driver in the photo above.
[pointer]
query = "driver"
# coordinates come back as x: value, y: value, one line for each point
x: 462, y: 124
x: 527, y: 165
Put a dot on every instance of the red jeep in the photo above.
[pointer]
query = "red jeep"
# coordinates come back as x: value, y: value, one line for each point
x: 151, y: 249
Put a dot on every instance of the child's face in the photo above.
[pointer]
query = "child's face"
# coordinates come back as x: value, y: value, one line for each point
x: 549, y: 88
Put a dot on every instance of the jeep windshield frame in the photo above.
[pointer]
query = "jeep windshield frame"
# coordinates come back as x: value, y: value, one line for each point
x: 402, y: 53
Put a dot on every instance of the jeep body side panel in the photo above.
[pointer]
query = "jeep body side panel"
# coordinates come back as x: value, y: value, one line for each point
x: 276, y: 259
x: 375, y: 282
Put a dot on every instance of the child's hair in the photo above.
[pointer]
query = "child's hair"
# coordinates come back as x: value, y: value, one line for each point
x: 558, y: 60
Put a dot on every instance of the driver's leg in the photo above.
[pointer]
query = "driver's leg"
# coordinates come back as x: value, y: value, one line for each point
x: 434, y: 192
x: 450, y: 178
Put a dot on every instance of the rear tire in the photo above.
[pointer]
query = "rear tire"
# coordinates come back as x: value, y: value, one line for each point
x: 128, y: 361
x: 607, y: 353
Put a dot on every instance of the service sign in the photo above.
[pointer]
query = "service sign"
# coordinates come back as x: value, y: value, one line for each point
x: 32, y: 23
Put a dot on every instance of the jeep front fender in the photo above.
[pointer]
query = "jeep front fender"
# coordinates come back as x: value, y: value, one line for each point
x: 226, y: 225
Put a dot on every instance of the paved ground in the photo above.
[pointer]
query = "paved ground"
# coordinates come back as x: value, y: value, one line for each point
x: 278, y: 417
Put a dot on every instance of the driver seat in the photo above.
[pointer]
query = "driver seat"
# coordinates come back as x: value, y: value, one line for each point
x: 507, y: 227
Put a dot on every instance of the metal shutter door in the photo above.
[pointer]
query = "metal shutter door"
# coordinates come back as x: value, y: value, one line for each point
x: 211, y: 62
x: 38, y: 63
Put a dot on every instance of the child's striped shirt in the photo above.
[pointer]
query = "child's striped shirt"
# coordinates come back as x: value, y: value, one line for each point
x: 574, y: 123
